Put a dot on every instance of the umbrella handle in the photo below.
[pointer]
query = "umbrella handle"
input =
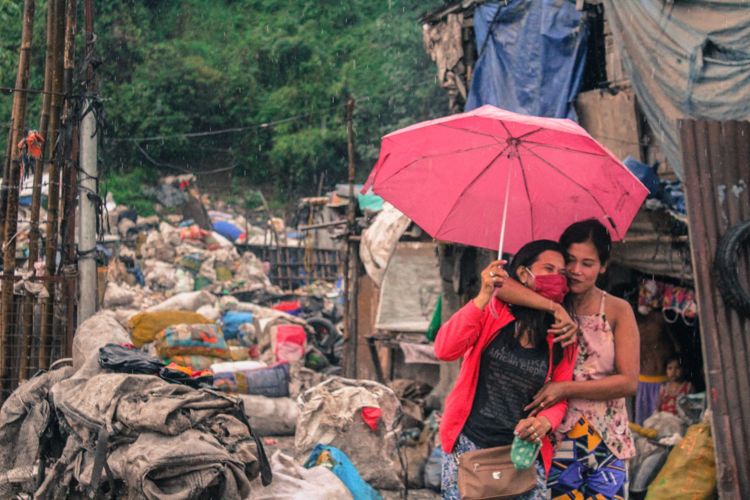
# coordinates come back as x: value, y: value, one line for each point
x: 505, y: 214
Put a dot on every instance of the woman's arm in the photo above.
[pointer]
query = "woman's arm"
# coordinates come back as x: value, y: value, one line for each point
x: 563, y: 372
x: 564, y: 329
x: 460, y: 333
x: 627, y: 366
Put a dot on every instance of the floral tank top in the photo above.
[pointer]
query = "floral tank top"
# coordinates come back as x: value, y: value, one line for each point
x: 596, y: 360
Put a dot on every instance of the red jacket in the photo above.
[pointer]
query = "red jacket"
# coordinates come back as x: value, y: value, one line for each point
x: 467, y: 334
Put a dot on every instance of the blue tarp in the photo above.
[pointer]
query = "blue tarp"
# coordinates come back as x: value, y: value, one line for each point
x: 344, y: 470
x: 684, y: 59
x: 533, y: 60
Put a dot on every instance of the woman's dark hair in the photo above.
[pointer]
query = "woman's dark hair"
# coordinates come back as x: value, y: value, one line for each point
x: 532, y: 320
x: 588, y: 230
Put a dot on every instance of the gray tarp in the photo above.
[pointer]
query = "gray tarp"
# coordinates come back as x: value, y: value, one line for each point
x: 690, y: 58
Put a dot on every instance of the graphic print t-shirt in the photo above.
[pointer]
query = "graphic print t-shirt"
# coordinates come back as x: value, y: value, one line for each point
x: 508, y: 380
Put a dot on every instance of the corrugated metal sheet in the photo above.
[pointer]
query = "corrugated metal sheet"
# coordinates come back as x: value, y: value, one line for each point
x: 716, y: 161
x: 649, y: 248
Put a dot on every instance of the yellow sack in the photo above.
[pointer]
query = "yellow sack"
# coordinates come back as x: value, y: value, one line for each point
x: 690, y: 471
x: 144, y: 326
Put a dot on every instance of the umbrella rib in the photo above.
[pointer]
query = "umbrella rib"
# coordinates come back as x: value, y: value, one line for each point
x: 528, y: 197
x: 530, y: 133
x: 433, y: 156
x: 470, y: 132
x: 479, y: 175
x: 539, y: 144
x: 576, y: 183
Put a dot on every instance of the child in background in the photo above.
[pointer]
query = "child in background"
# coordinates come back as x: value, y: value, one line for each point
x: 677, y: 386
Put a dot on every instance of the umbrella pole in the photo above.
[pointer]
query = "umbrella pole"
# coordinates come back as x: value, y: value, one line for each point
x: 505, y: 214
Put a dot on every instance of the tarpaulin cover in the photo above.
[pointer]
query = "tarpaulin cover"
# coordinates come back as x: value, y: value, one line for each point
x: 684, y: 59
x: 533, y: 61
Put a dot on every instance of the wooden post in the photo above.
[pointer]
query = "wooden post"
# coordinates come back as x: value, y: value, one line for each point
x: 351, y: 263
x: 36, y: 195
x: 62, y: 36
x: 17, y: 133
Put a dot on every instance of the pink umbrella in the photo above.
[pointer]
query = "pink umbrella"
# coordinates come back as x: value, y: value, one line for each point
x: 458, y: 177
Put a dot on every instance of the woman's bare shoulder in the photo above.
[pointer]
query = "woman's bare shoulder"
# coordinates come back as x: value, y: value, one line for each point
x: 618, y: 309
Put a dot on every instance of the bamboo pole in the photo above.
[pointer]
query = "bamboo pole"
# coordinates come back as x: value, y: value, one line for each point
x: 351, y: 263
x: 11, y: 222
x: 70, y: 186
x: 6, y: 176
x: 36, y: 195
x: 53, y: 198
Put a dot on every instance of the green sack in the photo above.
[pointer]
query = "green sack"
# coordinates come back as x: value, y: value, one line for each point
x: 436, y: 322
x: 523, y: 453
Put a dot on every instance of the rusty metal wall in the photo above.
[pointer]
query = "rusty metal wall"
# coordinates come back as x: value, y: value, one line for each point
x: 716, y: 159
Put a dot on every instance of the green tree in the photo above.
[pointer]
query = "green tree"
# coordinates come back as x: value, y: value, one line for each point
x: 182, y: 66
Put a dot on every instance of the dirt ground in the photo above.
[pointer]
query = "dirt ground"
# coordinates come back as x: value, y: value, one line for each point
x: 285, y: 444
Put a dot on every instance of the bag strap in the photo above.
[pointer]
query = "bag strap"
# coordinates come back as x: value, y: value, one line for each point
x: 266, y: 474
x: 100, y: 463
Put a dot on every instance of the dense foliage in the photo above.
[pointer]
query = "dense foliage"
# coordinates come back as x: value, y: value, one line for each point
x: 182, y: 66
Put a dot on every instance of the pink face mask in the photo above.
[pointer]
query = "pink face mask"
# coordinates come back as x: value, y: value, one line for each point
x: 551, y: 286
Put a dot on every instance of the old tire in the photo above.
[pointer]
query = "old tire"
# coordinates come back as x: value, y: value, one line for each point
x: 725, y: 268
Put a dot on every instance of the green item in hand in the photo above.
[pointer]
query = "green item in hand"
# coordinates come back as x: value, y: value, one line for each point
x: 523, y: 453
x: 436, y: 322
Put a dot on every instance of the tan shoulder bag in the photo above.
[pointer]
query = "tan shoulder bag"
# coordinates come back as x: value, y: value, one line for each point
x: 489, y: 474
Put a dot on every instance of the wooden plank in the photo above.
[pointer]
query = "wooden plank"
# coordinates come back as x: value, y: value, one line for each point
x: 611, y: 120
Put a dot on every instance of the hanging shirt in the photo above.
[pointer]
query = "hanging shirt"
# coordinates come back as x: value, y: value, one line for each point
x: 508, y: 380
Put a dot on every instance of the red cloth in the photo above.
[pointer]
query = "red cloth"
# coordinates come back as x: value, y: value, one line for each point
x: 467, y: 334
x: 371, y: 416
x: 667, y: 402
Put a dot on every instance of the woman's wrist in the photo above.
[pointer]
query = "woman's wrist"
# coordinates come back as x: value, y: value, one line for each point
x: 482, y: 300
x: 547, y: 425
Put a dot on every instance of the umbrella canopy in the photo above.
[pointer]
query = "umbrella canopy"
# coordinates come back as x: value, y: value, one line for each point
x: 456, y: 176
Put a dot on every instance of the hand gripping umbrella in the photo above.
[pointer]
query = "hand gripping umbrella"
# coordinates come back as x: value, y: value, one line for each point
x: 458, y: 177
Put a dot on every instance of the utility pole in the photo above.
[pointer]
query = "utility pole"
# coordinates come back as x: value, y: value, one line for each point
x: 12, y: 181
x: 351, y: 262
x: 89, y: 172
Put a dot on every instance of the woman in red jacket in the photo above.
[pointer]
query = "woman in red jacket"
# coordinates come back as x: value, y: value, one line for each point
x: 508, y: 357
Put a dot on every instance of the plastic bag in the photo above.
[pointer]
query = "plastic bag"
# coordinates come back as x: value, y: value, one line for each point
x: 433, y: 469
x: 232, y: 321
x: 290, y: 343
x: 180, y: 377
x: 338, y: 463
x: 120, y: 359
x: 184, y: 281
x: 192, y: 340
x: 271, y: 416
x: 227, y: 230
x: 146, y: 325
x: 191, y: 301
x: 330, y: 414
x: 690, y: 471
x: 292, y: 482
x: 115, y: 295
x: 270, y: 381
x: 193, y: 232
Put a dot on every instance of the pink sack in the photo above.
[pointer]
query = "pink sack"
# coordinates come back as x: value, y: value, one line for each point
x: 290, y: 343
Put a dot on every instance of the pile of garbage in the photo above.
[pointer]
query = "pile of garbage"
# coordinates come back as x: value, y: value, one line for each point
x: 137, y: 414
